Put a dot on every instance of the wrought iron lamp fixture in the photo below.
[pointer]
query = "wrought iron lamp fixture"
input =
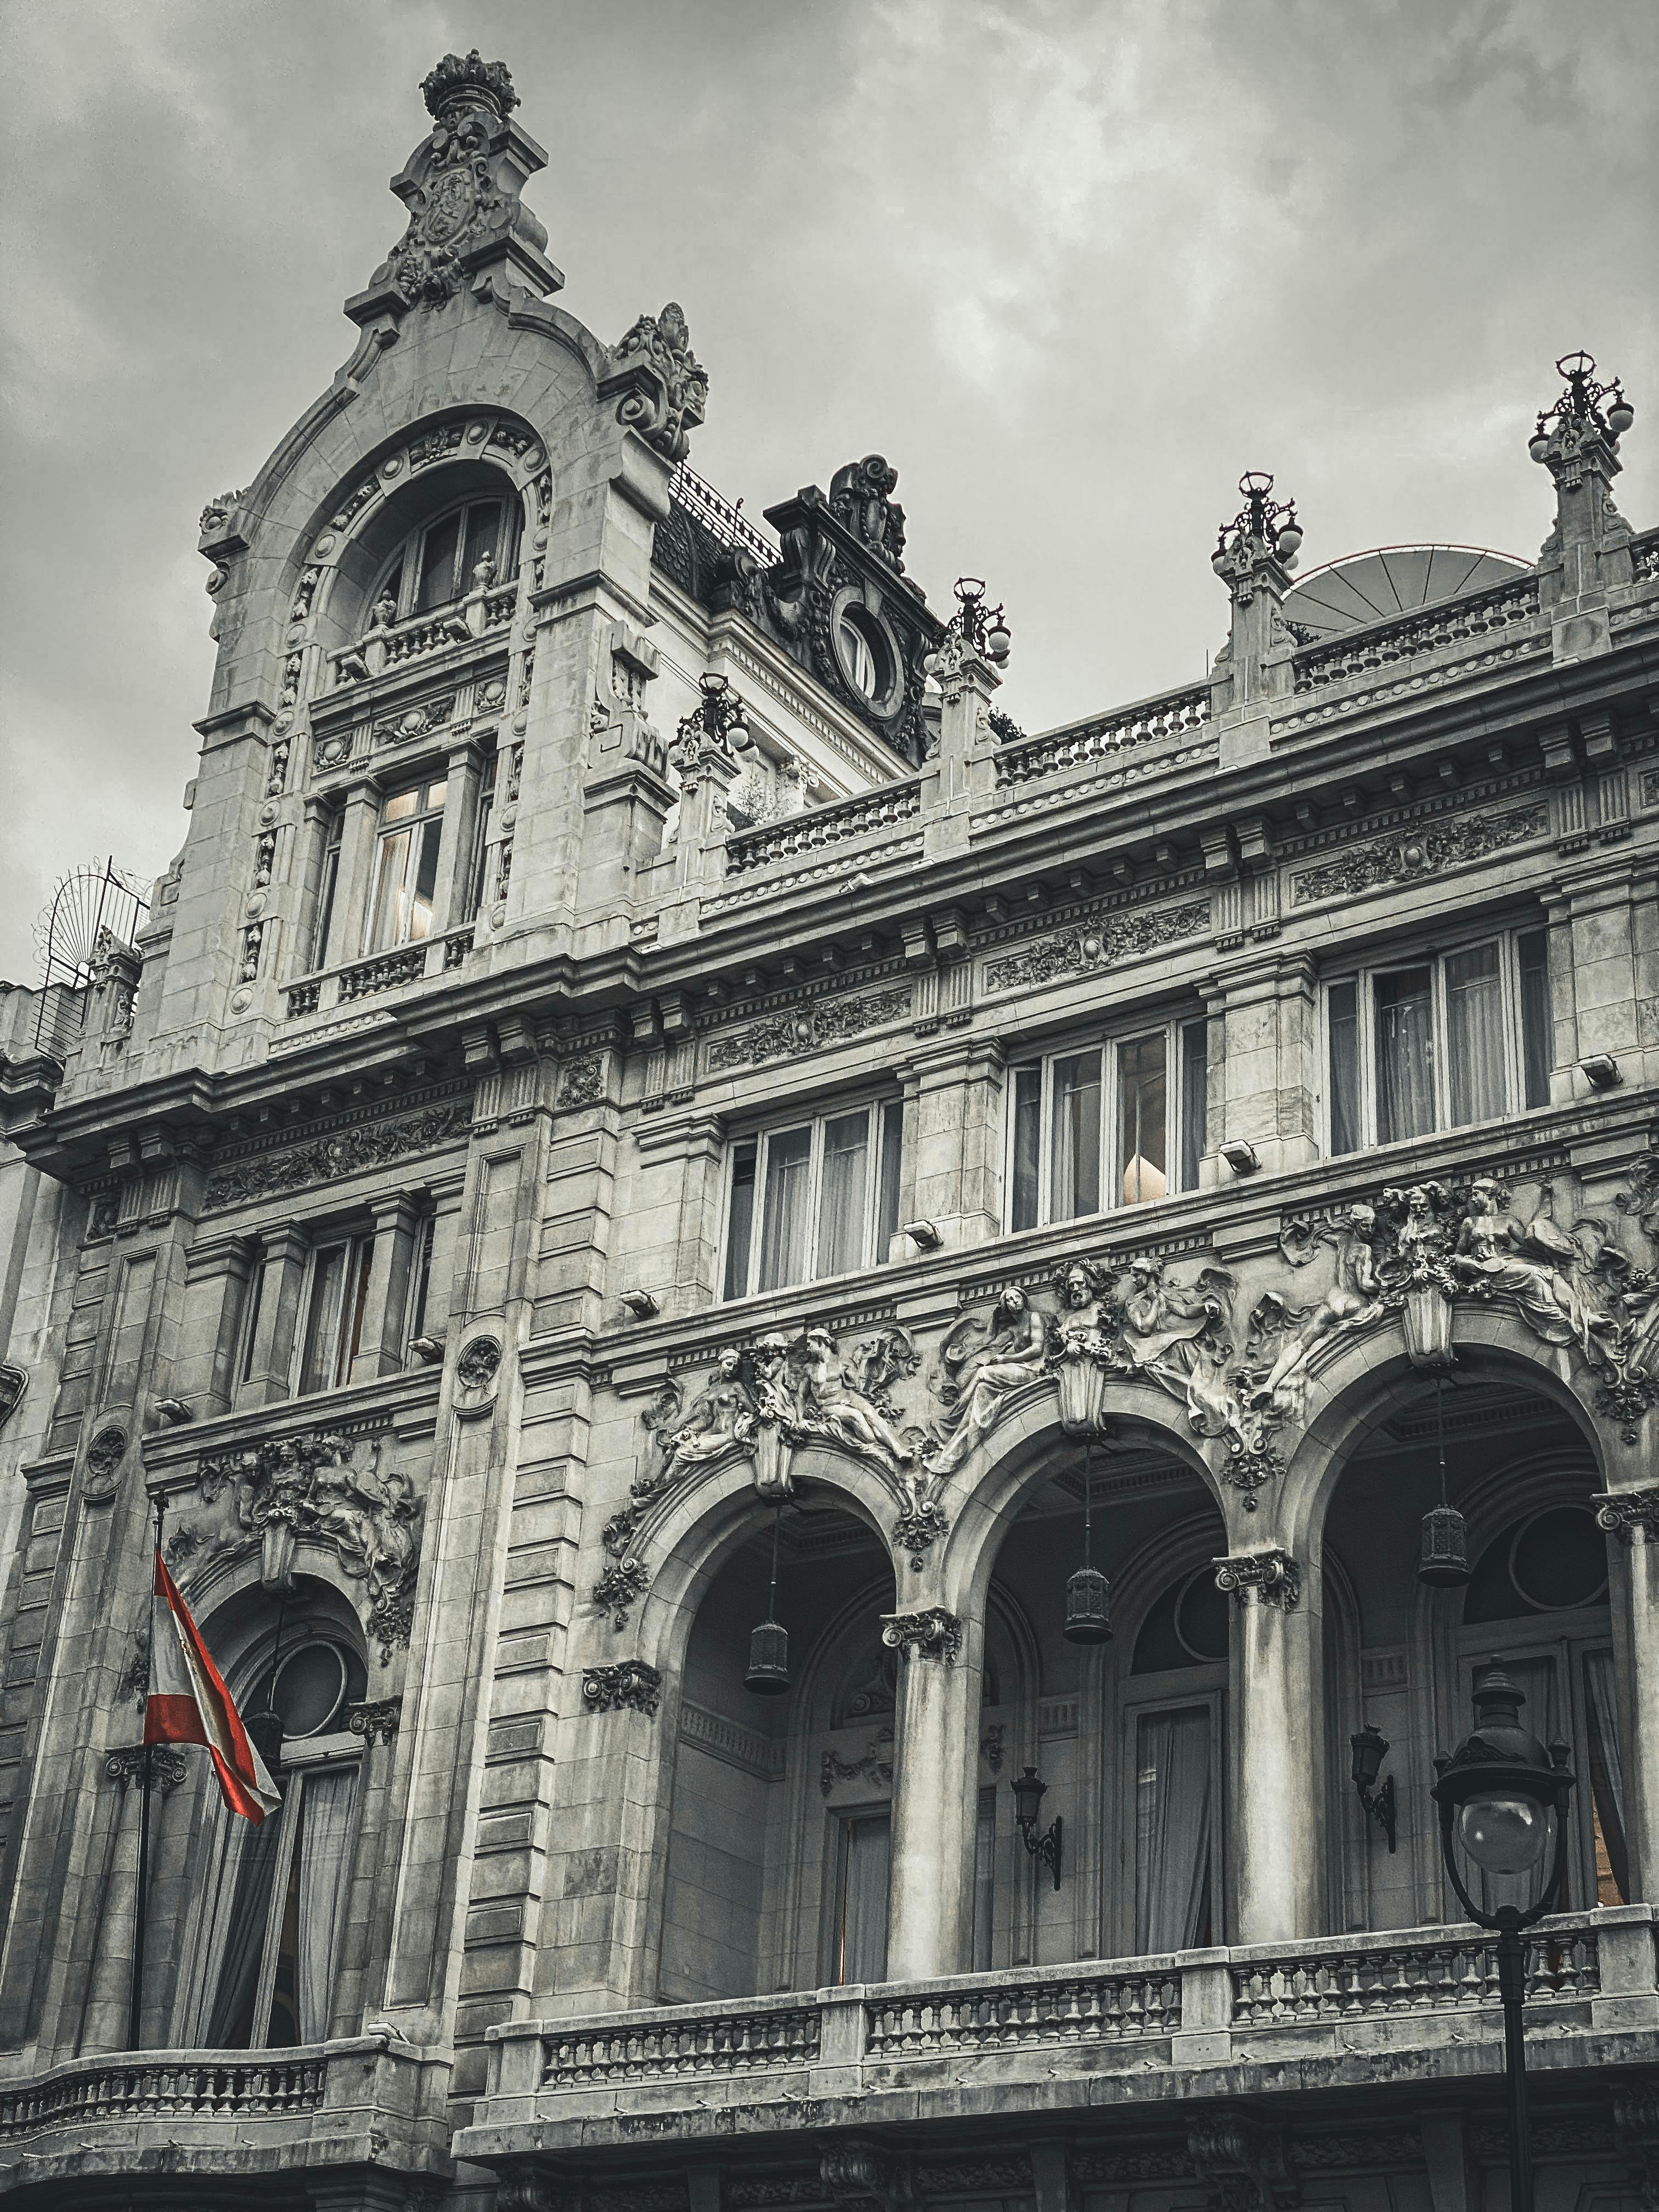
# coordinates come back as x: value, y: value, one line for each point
x: 1029, y: 1792
x: 1504, y: 1801
x: 1581, y: 402
x: 985, y: 629
x: 1262, y: 517
x: 1088, y: 1593
x: 718, y: 714
x: 1444, y: 1561
x: 769, y: 1642
x: 1370, y: 1749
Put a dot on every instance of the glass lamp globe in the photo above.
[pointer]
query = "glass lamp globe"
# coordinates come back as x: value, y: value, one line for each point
x: 1505, y: 1835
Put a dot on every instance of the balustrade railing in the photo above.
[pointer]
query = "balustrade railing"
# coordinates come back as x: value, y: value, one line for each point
x: 884, y: 808
x: 398, y: 643
x: 1644, y: 557
x: 1086, y: 2008
x: 1406, y: 637
x: 1175, y: 713
x: 721, y: 2043
x: 304, y: 998
x: 161, y: 2088
x: 1347, y: 1983
x: 382, y: 973
x: 719, y: 516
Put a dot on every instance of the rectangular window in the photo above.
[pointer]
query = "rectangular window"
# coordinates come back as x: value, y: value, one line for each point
x: 817, y: 1198
x: 1463, y: 1036
x: 336, y: 1294
x: 327, y: 882
x: 437, y: 585
x: 1195, y: 1100
x: 1027, y: 1146
x: 252, y: 1298
x: 421, y: 1279
x: 406, y: 866
x: 985, y: 1858
x: 1607, y: 1782
x: 861, y: 1920
x: 1074, y: 1156
x: 1143, y: 1114
x: 1173, y: 1815
x: 478, y: 861
x: 1537, y: 1016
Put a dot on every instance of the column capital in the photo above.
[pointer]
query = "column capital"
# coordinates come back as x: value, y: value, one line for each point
x: 1622, y: 1512
x: 933, y: 1633
x: 1269, y: 1578
x: 632, y: 1685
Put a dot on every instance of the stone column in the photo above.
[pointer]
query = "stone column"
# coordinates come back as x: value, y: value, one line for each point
x: 937, y: 1771
x: 464, y: 772
x: 1631, y: 1518
x: 381, y: 1350
x: 218, y: 1271
x: 282, y: 1266
x: 964, y: 776
x: 351, y: 887
x: 1277, y: 1824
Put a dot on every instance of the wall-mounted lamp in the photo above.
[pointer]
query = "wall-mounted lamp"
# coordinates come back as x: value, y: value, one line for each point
x: 1370, y: 1749
x: 923, y: 1235
x: 428, y: 1350
x: 641, y: 1305
x: 1601, y: 1072
x: 1241, y: 1156
x: 1029, y: 1793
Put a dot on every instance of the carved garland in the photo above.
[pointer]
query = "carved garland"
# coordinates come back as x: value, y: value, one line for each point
x: 790, y: 1035
x: 1399, y: 858
x: 370, y: 1145
x: 1093, y: 945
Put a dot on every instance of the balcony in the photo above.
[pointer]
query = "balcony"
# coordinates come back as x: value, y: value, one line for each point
x: 1304, y: 2016
x: 394, y: 646
x: 196, y: 2114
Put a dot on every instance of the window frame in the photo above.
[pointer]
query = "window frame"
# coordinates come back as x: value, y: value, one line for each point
x: 1109, y: 1043
x: 358, y: 1245
x: 876, y: 1110
x: 413, y: 825
x: 1362, y: 974
x: 1143, y: 1697
x: 408, y: 558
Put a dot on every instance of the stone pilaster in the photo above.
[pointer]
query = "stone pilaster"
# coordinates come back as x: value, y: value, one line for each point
x: 1277, y: 1818
x: 930, y: 1893
x: 1631, y: 1518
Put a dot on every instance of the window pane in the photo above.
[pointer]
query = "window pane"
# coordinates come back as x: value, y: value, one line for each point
x: 1475, y: 1034
x: 351, y: 1331
x: 1172, y: 1830
x: 1537, y: 1016
x: 786, y: 1222
x: 322, y: 1337
x: 842, y: 1210
x: 254, y: 1297
x: 282, y: 2027
x: 1404, y: 1055
x: 426, y: 881
x: 474, y: 866
x: 433, y: 797
x: 1342, y: 1009
x: 390, y: 906
x: 889, y: 1174
x: 399, y: 808
x: 865, y: 1854
x: 320, y: 1864
x: 438, y: 565
x: 1195, y: 1100
x: 985, y: 1852
x: 1142, y: 1121
x: 1074, y: 1168
x: 1028, y: 1133
x: 740, y: 1220
x: 326, y: 888
x: 423, y: 1285
x: 230, y: 2016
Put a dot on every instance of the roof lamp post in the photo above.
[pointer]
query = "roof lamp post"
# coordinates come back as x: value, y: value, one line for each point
x: 718, y: 715
x: 1263, y: 518
x: 984, y: 628
x: 1503, y: 1801
x: 1580, y: 403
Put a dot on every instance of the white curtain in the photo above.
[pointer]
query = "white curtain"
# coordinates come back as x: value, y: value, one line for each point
x: 1172, y: 1829
x: 1404, y: 1055
x: 322, y: 1893
x: 1535, y: 1679
x: 868, y: 1852
x: 785, y: 1227
x: 1075, y: 1177
x: 1476, y: 1043
x: 240, y: 1949
x: 1607, y: 1772
x: 840, y: 1210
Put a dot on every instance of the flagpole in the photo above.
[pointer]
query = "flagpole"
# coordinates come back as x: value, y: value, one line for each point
x: 141, y: 1901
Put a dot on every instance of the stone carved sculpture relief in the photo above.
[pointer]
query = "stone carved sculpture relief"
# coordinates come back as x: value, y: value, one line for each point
x: 982, y: 1362
x: 453, y: 199
x: 329, y: 1490
x: 669, y: 387
x: 861, y: 499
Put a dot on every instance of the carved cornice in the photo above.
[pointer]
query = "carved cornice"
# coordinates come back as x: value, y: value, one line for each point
x: 931, y: 1634
x: 631, y: 1685
x: 1271, y: 1577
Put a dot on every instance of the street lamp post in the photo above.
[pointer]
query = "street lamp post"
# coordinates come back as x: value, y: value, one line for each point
x: 1503, y: 1801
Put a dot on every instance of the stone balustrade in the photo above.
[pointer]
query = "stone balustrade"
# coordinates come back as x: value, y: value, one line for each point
x: 417, y: 639
x: 1428, y: 1996
x: 384, y: 973
x: 165, y: 2086
x: 1406, y: 637
x: 1644, y: 557
x: 1171, y: 714
x: 885, y: 807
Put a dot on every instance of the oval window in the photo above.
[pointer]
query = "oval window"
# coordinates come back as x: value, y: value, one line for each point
x: 864, y: 654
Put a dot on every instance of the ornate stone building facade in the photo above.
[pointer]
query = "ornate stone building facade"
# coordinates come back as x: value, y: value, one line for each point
x: 646, y: 1110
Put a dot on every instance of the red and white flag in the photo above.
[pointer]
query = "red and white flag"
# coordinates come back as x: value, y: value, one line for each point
x: 190, y: 1704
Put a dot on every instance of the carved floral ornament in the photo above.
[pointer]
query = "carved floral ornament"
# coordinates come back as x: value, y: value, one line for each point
x: 326, y: 1489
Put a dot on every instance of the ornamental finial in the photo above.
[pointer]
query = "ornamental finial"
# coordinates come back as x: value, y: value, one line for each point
x: 470, y: 82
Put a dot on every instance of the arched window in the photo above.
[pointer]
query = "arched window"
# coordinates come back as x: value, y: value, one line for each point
x: 273, y: 1895
x: 446, y: 557
x: 1537, y: 1603
x: 1172, y: 1716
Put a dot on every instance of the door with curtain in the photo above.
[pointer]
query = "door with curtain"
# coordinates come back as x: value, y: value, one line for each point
x: 1175, y: 1799
x: 864, y: 1856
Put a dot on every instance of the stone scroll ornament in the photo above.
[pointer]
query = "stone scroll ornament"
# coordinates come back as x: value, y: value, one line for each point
x: 762, y: 1403
x: 666, y: 389
x: 326, y: 1489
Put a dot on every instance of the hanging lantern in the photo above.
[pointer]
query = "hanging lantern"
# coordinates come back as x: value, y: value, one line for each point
x: 769, y: 1642
x: 1443, y: 1562
x: 264, y: 1733
x: 1088, y: 1593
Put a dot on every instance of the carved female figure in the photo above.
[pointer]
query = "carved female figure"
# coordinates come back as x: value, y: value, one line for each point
x: 1354, y: 1302
x: 1535, y: 1267
x: 1168, y: 1336
x: 1010, y: 1357
x: 719, y: 1417
x: 829, y: 1402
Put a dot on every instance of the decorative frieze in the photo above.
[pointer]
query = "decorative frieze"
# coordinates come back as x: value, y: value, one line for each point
x: 1098, y: 943
x: 1270, y: 1578
x: 931, y: 1634
x: 346, y: 1151
x: 1401, y: 858
x: 789, y: 1035
x: 631, y: 1685
x: 874, y: 1764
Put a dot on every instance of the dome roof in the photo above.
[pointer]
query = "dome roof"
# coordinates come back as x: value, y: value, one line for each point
x: 1393, y: 580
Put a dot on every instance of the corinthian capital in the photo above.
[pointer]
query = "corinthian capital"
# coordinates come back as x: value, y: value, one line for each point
x: 933, y: 1634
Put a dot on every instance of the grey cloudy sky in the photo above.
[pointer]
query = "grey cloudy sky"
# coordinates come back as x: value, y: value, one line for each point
x: 1071, y: 266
